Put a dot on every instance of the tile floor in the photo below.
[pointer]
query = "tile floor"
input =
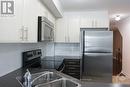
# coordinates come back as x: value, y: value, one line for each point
x: 120, y: 79
x: 115, y: 79
x: 96, y: 79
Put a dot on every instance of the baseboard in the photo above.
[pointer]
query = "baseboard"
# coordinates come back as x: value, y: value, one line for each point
x: 126, y: 75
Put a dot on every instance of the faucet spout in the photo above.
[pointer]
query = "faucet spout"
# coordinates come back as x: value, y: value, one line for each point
x: 27, y: 79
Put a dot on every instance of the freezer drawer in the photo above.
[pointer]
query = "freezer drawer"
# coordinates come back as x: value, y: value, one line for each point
x: 97, y: 63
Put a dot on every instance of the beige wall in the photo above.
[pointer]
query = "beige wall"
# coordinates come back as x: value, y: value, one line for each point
x: 124, y: 28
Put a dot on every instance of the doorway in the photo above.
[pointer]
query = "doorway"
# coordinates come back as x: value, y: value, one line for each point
x: 117, y: 52
x: 118, y: 76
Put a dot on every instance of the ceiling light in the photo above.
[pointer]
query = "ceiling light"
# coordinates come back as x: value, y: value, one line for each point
x: 117, y: 18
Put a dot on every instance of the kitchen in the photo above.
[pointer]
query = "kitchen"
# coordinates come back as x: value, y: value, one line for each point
x: 21, y: 33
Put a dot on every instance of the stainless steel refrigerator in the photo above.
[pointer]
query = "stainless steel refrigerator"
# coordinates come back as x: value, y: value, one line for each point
x: 97, y: 54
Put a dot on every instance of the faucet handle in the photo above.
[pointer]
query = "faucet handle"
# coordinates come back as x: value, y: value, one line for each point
x: 27, y: 79
x: 27, y: 70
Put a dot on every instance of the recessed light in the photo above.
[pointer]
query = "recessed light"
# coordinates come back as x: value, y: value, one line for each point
x: 117, y: 18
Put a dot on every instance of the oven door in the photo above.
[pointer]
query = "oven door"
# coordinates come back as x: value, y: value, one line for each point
x: 47, y: 31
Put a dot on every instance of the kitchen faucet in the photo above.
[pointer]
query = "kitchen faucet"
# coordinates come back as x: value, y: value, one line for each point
x: 27, y: 79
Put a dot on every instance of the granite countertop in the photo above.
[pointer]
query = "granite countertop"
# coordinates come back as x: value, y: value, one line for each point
x: 9, y: 80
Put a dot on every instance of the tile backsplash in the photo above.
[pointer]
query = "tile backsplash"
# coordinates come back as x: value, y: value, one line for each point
x: 55, y: 53
x: 63, y: 49
x: 67, y: 49
x: 49, y: 49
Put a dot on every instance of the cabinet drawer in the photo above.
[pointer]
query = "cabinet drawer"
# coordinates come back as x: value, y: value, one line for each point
x: 74, y: 75
x: 72, y: 62
x: 72, y: 68
x: 71, y: 71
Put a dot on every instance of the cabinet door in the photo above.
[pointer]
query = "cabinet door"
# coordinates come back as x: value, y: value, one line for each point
x: 94, y: 20
x: 73, y: 29
x: 102, y: 21
x: 30, y: 18
x: 29, y: 21
x: 61, y: 30
x: 86, y: 21
x: 10, y: 26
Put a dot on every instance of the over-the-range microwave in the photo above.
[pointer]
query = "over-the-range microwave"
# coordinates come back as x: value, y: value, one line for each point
x: 45, y: 29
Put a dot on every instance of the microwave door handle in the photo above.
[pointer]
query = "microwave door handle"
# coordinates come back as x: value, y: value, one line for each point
x: 42, y: 31
x: 52, y: 34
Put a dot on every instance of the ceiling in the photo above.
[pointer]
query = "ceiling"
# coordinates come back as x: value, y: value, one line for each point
x: 121, y: 7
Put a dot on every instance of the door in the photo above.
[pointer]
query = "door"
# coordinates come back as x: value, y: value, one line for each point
x: 61, y: 30
x: 73, y: 29
x: 117, y: 52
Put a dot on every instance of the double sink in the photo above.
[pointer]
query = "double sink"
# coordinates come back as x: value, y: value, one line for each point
x: 49, y: 79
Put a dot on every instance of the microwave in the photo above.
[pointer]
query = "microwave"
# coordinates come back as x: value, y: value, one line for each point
x: 45, y: 29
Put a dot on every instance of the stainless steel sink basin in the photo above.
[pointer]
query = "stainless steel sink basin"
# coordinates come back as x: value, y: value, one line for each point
x: 49, y: 79
x: 60, y: 83
x: 40, y: 78
x: 44, y: 78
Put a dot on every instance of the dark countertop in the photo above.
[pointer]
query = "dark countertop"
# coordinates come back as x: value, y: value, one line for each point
x: 9, y: 80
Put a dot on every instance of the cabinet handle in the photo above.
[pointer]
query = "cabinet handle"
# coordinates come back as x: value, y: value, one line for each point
x: 68, y: 39
x: 65, y: 38
x: 26, y: 33
x: 22, y: 33
x: 52, y: 35
x: 95, y: 23
x: 92, y: 23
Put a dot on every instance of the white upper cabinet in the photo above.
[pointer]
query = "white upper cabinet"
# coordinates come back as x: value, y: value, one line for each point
x: 61, y: 30
x: 102, y: 21
x: 73, y: 29
x: 68, y: 27
x: 22, y: 26
x: 99, y: 19
x: 10, y: 26
x: 30, y: 19
x: 86, y: 21
x: 29, y: 22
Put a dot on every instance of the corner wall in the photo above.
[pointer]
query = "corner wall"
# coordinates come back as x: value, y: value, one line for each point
x: 124, y: 28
